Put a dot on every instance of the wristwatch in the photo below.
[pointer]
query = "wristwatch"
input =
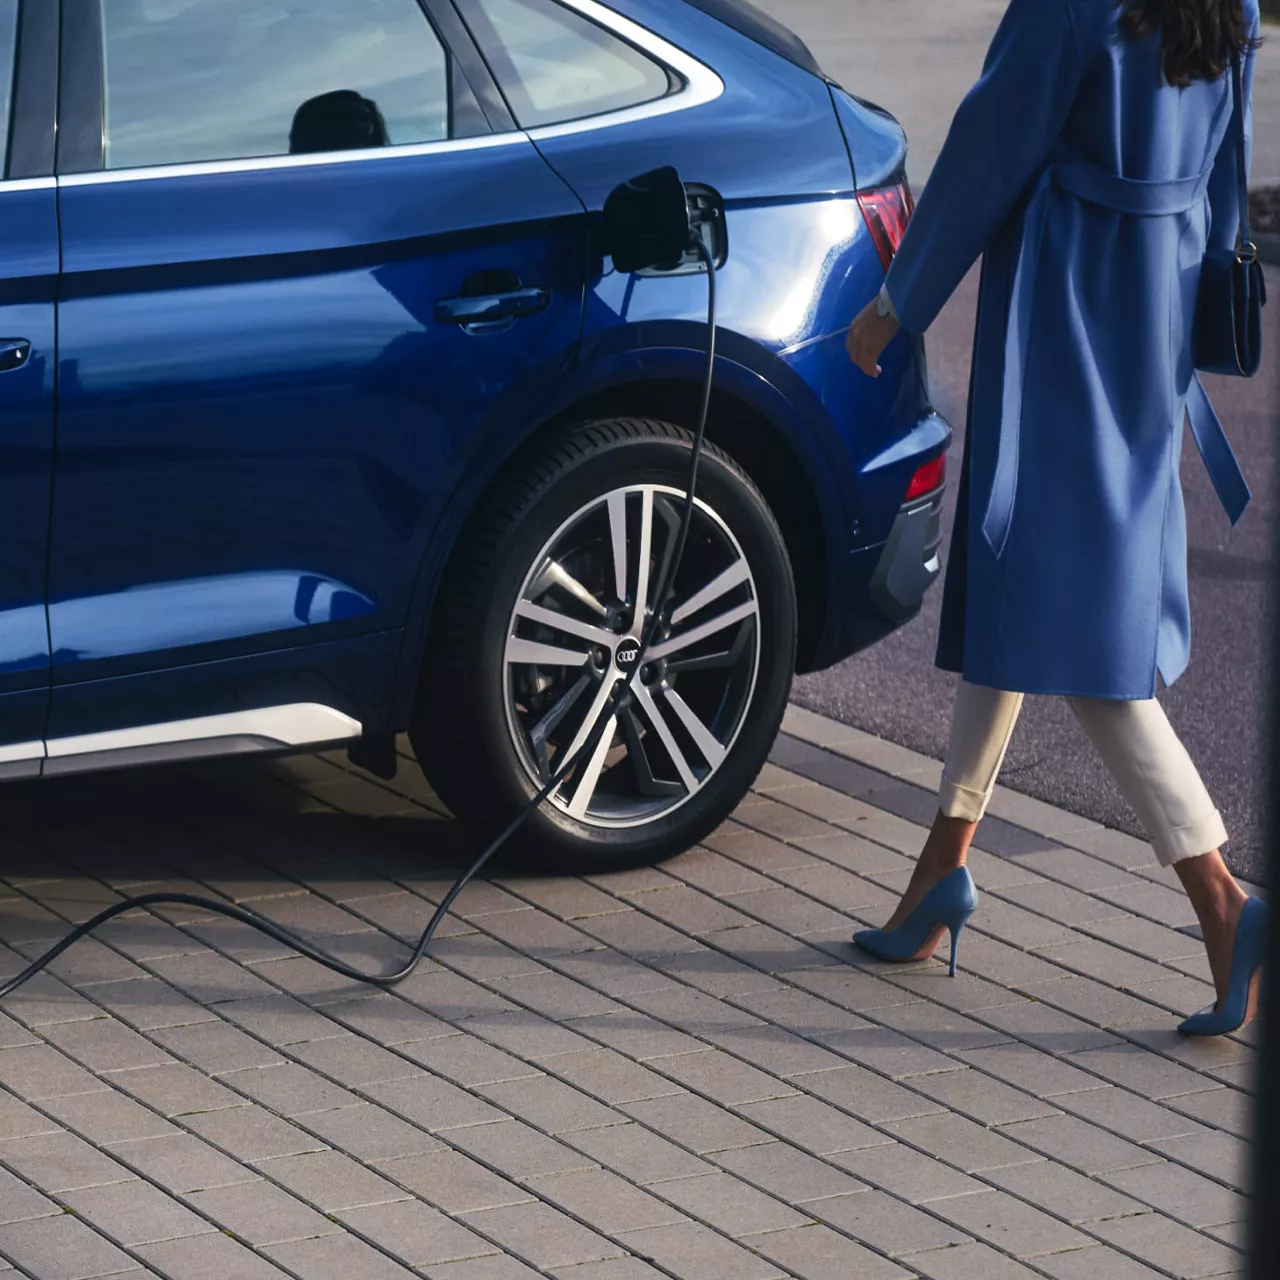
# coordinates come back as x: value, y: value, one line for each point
x: 884, y: 304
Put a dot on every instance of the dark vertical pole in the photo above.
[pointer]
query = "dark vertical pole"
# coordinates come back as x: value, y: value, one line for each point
x: 1265, y: 1221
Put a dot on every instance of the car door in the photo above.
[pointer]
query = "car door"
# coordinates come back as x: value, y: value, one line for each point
x: 311, y: 268
x: 28, y: 281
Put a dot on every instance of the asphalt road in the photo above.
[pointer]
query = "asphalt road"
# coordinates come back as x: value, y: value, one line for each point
x: 917, y: 58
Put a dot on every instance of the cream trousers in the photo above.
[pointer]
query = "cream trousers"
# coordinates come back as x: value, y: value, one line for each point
x: 1136, y: 742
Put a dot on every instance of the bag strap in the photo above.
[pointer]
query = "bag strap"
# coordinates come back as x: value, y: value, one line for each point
x: 1244, y: 243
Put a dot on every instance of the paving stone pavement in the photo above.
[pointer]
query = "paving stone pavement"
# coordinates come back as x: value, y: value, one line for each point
x: 682, y: 1072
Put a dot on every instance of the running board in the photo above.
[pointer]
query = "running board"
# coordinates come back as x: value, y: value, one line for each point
x: 299, y: 724
x: 21, y: 760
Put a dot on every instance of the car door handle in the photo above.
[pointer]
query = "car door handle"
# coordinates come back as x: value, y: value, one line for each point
x: 14, y: 353
x: 491, y: 308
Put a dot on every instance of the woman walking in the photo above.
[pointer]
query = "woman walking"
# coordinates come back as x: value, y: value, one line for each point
x: 1091, y: 166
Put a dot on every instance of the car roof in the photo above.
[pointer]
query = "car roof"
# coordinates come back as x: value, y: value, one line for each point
x: 761, y: 27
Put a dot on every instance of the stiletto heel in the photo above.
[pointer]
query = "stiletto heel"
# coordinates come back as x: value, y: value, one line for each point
x: 949, y: 903
x: 955, y: 942
x: 1246, y: 959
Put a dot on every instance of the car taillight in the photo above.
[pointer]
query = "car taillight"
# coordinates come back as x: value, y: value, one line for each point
x: 932, y: 475
x: 886, y: 211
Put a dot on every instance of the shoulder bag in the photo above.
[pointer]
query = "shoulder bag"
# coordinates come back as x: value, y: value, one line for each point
x: 1228, y: 323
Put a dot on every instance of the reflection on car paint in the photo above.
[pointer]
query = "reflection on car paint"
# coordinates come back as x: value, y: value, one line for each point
x: 24, y: 639
x: 173, y: 615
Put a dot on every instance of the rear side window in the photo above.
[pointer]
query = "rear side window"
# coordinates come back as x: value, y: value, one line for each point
x: 553, y: 64
x: 8, y: 46
x: 191, y: 80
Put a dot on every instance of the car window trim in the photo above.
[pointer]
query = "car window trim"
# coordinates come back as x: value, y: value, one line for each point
x: 47, y: 183
x: 262, y: 164
x: 33, y: 120
x: 701, y: 83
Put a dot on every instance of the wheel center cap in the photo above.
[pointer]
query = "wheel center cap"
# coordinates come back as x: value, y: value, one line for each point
x: 627, y: 655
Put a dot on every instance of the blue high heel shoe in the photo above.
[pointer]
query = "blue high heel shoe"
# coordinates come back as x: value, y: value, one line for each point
x: 1246, y: 960
x: 950, y: 902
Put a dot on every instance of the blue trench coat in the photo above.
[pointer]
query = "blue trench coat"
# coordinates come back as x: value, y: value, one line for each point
x: 1091, y: 187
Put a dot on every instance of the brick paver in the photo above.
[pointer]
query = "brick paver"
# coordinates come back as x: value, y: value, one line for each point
x: 680, y: 1071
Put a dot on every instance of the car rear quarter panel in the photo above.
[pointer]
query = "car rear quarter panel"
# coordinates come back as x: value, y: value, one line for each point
x: 801, y: 262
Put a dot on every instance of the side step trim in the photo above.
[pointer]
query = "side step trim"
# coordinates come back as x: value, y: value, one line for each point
x: 299, y: 724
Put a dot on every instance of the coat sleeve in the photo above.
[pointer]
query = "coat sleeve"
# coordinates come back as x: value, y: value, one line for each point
x: 1224, y: 189
x: 999, y: 140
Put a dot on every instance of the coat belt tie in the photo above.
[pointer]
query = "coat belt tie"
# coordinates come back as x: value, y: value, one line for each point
x: 1121, y: 195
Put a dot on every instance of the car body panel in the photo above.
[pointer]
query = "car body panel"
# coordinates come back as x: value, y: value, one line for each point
x: 260, y: 415
x: 800, y: 261
x: 767, y: 108
x: 28, y: 281
x: 876, y: 142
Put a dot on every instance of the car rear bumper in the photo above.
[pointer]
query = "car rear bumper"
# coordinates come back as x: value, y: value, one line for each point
x: 878, y: 588
x: 910, y: 561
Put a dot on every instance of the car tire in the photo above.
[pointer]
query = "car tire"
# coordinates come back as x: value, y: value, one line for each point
x: 495, y: 712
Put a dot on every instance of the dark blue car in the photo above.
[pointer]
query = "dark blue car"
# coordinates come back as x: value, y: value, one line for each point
x: 324, y: 415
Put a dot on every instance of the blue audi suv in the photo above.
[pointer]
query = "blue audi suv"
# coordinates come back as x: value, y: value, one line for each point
x: 326, y: 417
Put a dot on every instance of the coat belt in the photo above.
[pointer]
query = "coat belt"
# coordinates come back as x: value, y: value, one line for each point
x: 1121, y: 195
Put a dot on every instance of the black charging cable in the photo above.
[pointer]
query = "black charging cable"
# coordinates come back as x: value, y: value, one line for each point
x: 658, y: 620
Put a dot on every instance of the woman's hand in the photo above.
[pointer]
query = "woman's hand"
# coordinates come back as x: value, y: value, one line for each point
x: 868, y: 336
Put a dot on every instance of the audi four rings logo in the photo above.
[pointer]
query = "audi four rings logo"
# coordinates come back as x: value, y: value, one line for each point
x: 627, y: 655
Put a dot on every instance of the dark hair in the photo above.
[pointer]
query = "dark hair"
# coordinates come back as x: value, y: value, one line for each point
x: 338, y: 121
x: 1197, y: 37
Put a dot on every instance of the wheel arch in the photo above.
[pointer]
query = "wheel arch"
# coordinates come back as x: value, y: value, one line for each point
x: 752, y: 438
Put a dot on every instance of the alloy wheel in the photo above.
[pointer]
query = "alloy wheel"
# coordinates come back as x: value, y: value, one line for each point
x: 574, y: 635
